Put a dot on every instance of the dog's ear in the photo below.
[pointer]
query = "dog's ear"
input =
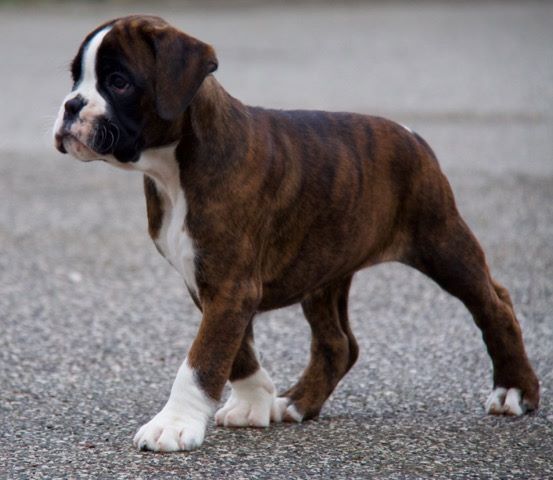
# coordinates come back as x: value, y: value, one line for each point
x: 181, y: 64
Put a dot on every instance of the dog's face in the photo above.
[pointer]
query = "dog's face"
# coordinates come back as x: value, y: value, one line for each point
x: 133, y: 78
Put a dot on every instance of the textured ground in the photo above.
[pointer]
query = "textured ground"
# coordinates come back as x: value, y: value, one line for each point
x: 93, y: 323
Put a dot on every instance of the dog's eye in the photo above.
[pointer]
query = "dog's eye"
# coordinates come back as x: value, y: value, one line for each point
x: 118, y: 83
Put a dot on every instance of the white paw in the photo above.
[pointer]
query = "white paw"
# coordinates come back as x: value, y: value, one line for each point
x: 181, y: 423
x: 244, y: 413
x: 170, y: 432
x: 250, y: 402
x: 505, y: 402
x: 284, y: 411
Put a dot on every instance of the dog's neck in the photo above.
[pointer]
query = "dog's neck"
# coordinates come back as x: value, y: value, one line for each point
x: 160, y: 164
x: 214, y: 117
x: 214, y: 113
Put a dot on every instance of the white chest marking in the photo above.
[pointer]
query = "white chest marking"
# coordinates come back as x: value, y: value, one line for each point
x: 174, y: 242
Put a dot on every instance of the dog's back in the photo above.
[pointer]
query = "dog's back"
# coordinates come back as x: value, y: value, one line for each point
x: 339, y: 191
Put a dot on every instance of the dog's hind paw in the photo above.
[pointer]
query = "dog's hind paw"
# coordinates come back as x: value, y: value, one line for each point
x: 504, y: 401
x: 283, y: 410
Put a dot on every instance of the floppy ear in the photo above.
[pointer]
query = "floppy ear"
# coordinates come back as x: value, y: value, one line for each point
x: 182, y: 63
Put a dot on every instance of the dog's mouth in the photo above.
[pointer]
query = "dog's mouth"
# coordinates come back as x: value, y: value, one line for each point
x: 66, y: 142
x: 59, y: 142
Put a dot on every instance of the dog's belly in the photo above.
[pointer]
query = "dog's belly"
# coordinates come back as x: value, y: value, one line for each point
x: 321, y: 259
x: 295, y: 286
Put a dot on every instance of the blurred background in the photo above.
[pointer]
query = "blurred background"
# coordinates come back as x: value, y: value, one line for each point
x: 428, y: 64
x: 94, y: 323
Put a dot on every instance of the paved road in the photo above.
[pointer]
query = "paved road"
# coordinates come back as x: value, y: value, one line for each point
x: 94, y: 324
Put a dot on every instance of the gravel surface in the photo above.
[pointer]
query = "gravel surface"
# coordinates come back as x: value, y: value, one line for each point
x: 94, y: 323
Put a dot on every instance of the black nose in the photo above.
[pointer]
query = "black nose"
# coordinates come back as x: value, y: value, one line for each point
x: 73, y: 107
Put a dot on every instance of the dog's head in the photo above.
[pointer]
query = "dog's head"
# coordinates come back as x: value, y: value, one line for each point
x: 133, y: 78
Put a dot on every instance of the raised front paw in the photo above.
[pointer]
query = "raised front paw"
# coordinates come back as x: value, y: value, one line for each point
x: 170, y: 432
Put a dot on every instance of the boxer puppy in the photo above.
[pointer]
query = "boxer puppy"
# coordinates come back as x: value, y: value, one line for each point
x: 259, y: 209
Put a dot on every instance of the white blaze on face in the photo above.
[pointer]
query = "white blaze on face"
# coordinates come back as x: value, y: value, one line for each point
x: 87, y: 85
x: 82, y: 128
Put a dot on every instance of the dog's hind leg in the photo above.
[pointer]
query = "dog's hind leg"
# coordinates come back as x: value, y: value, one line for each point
x: 253, y: 392
x: 333, y: 352
x: 450, y: 254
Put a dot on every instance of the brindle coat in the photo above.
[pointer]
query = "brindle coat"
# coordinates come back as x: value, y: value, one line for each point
x: 285, y: 206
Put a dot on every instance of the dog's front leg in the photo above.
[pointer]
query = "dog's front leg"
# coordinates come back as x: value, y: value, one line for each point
x: 181, y: 424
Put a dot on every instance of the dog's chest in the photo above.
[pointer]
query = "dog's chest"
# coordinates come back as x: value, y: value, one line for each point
x: 174, y: 242
x: 172, y: 238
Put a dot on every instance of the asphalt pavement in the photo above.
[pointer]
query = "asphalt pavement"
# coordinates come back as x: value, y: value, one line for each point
x: 94, y: 323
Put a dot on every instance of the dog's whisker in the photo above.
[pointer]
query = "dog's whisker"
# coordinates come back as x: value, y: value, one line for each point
x: 112, y: 140
x: 115, y: 133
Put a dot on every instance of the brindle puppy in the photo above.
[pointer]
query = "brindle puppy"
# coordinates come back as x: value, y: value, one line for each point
x: 259, y: 209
